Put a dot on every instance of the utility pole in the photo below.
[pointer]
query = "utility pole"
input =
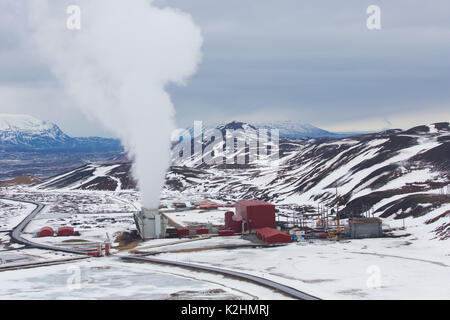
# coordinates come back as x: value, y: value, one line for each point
x: 337, y: 212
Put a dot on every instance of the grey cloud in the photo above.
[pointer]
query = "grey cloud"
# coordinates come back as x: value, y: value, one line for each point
x: 304, y: 58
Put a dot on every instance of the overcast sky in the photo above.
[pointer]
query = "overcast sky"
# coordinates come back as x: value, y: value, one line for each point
x: 313, y: 61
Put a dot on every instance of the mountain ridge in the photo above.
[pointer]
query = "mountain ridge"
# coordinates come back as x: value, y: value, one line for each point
x: 27, y: 133
x: 287, y: 128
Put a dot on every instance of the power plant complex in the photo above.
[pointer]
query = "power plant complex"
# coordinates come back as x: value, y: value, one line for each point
x: 255, y: 218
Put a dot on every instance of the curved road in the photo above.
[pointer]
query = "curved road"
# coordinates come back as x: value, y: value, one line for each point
x: 16, y: 233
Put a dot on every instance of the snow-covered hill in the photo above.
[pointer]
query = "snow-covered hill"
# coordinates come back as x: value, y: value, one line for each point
x: 26, y: 133
x: 110, y: 176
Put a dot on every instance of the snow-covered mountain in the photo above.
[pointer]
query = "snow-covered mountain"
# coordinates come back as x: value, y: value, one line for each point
x: 26, y: 133
x: 287, y: 129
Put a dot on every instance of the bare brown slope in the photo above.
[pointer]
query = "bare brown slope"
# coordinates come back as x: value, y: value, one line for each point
x: 23, y: 179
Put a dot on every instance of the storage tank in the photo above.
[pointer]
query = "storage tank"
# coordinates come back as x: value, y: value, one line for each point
x: 46, y: 232
x: 65, y: 231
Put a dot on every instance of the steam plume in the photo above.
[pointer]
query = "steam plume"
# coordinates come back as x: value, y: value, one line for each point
x: 116, y: 68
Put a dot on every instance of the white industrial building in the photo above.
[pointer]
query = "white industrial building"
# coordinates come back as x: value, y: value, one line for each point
x: 150, y: 224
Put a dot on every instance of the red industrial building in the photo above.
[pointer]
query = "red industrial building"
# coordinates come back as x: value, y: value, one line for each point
x: 271, y: 235
x: 256, y: 214
x: 46, y: 232
x: 250, y: 216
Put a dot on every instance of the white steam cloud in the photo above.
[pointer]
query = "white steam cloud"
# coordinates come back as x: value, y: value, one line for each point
x: 116, y: 67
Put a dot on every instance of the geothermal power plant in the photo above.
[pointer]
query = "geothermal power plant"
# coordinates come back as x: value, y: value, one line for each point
x: 254, y: 218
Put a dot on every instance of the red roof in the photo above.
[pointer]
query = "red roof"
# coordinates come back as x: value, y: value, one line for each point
x: 271, y: 235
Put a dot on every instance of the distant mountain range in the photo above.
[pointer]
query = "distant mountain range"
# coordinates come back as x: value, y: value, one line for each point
x: 40, y: 148
x: 26, y: 133
x: 287, y: 129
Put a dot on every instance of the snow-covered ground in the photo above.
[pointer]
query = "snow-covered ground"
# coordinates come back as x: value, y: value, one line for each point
x: 95, y: 215
x: 12, y: 213
x: 356, y: 269
x: 19, y: 256
x: 108, y: 278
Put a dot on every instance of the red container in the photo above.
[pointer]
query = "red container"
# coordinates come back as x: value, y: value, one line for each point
x: 228, y: 219
x: 202, y: 231
x: 257, y: 213
x: 107, y: 248
x: 183, y: 232
x: 46, y: 232
x: 94, y: 254
x: 236, y: 224
x: 225, y: 233
x: 271, y: 235
x: 65, y: 232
